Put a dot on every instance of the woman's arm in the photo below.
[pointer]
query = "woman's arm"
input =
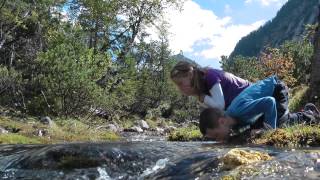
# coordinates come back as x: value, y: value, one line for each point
x: 216, y: 100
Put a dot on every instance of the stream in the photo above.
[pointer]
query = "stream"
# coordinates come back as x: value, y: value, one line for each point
x: 143, y: 157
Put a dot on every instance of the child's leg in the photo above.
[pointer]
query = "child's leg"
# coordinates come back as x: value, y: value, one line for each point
x: 297, y: 118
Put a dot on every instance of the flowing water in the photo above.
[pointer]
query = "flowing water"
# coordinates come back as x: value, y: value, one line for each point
x: 151, y: 158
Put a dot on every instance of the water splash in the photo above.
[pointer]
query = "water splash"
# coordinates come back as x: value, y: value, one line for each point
x: 103, y: 175
x: 160, y: 164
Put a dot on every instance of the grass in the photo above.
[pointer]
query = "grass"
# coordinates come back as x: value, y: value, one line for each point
x: 191, y: 133
x: 298, y: 98
x: 298, y: 135
x: 64, y: 130
x: 18, y: 139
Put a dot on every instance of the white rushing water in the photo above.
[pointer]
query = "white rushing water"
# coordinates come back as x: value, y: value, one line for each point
x: 160, y: 164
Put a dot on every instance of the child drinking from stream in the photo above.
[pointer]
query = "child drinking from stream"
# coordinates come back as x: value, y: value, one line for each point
x: 213, y: 88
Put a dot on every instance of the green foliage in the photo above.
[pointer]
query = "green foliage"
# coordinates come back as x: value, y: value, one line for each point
x: 96, y: 57
x: 17, y: 139
x: 11, y: 86
x: 301, y: 53
x: 298, y: 98
x: 291, y: 62
x: 247, y: 68
x: 68, y: 74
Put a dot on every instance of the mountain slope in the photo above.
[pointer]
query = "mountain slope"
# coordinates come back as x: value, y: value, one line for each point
x: 289, y: 24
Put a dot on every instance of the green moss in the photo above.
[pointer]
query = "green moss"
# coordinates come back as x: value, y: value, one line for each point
x: 185, y: 134
x: 18, y: 139
x: 298, y: 97
x: 298, y: 135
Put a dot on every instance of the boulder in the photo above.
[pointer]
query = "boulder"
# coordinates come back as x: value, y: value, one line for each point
x: 112, y: 127
x: 46, y: 120
x: 143, y: 124
x: 236, y: 157
x: 3, y: 130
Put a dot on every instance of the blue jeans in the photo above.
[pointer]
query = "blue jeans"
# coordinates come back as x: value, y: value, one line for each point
x: 284, y: 118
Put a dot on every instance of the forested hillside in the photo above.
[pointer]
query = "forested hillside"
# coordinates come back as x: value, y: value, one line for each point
x: 289, y: 24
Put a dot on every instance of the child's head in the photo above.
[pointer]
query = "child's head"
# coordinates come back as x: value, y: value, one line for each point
x: 215, y: 124
x: 188, y: 77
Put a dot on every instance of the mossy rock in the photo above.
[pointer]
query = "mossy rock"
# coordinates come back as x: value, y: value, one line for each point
x: 294, y: 136
x: 185, y: 134
x: 237, y: 157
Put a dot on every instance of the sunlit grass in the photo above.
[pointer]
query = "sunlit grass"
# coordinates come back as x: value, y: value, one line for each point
x: 298, y: 135
x: 298, y: 98
x: 185, y: 134
x: 63, y: 130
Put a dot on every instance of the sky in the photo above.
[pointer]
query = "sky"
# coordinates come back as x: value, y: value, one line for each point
x: 207, y: 29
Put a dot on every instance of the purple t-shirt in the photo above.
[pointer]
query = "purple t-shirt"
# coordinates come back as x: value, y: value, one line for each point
x: 231, y: 85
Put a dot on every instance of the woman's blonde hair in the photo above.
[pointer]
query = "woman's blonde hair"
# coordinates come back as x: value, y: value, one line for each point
x: 182, y: 68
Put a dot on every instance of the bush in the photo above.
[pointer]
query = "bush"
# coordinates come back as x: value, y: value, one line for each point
x: 298, y: 98
x: 11, y: 88
x: 68, y: 75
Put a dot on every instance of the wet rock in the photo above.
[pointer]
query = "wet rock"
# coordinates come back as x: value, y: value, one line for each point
x: 236, y: 157
x: 46, y: 120
x: 143, y: 124
x: 3, y: 130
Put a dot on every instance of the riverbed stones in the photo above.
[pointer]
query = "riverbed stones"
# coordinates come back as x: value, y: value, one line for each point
x: 236, y: 157
x: 134, y: 129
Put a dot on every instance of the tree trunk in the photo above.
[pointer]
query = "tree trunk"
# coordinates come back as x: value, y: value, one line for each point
x: 315, y: 65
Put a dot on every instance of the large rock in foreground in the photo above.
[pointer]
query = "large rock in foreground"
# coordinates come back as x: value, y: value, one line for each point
x: 236, y: 157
